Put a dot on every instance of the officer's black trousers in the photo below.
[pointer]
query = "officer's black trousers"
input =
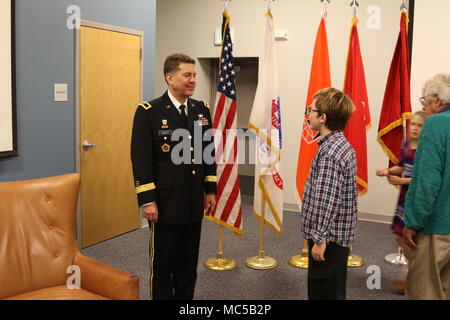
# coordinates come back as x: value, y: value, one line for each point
x: 327, y: 280
x: 173, y: 260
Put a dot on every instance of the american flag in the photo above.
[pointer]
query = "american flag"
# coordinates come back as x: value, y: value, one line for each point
x: 228, y: 211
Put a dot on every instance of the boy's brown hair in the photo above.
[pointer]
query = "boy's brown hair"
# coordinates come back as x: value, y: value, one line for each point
x: 336, y: 105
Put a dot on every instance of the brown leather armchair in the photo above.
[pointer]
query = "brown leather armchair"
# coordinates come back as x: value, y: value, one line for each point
x: 37, y: 245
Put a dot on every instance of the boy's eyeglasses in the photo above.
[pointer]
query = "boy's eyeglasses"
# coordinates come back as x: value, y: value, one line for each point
x: 310, y: 109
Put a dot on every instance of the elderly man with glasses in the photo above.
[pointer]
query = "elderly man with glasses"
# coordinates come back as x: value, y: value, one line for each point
x: 427, y: 205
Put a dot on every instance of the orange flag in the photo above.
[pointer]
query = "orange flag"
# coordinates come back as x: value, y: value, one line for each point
x: 355, y: 87
x: 397, y: 98
x: 319, y: 79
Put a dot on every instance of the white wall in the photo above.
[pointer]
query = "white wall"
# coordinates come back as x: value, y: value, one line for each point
x: 431, y: 44
x: 188, y: 26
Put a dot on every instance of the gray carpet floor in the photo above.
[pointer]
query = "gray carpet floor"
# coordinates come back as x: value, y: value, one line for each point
x: 129, y: 252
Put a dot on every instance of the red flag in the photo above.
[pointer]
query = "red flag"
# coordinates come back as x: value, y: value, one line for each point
x: 397, y: 98
x: 228, y: 211
x: 319, y: 79
x: 355, y: 87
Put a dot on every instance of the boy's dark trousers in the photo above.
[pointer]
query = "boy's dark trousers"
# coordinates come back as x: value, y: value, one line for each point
x: 327, y: 280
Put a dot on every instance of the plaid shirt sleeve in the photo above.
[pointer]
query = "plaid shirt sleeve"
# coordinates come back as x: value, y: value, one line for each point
x: 326, y: 196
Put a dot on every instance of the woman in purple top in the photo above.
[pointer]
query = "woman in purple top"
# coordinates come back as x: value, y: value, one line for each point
x: 400, y: 175
x: 406, y: 163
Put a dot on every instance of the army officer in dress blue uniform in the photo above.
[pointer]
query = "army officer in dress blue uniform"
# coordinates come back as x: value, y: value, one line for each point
x: 174, y: 196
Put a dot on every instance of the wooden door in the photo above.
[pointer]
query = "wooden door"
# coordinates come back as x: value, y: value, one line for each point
x: 110, y: 90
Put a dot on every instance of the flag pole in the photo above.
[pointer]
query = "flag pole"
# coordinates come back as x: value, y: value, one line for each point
x: 261, y: 261
x: 398, y: 258
x: 300, y: 261
x: 308, y: 138
x: 353, y: 260
x: 220, y: 263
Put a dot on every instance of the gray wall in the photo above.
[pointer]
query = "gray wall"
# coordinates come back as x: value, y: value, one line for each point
x: 45, y: 54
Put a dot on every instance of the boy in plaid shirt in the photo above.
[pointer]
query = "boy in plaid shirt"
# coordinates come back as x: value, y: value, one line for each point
x: 329, y: 209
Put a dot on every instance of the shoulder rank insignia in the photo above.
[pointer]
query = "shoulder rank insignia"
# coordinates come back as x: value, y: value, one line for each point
x: 145, y: 105
x: 165, y: 147
x: 205, y: 104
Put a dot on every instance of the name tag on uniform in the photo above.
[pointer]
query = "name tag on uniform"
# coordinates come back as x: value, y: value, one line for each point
x: 162, y: 133
x: 202, y: 121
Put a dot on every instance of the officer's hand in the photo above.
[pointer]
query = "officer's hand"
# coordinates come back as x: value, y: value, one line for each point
x: 151, y: 212
x: 210, y: 203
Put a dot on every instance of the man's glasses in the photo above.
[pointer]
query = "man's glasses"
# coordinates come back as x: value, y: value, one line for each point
x: 424, y: 98
x: 310, y: 109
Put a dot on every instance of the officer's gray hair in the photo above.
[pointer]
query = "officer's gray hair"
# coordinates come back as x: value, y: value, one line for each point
x: 438, y: 86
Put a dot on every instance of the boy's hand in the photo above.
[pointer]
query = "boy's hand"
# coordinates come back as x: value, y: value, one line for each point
x: 318, y: 250
x: 382, y: 172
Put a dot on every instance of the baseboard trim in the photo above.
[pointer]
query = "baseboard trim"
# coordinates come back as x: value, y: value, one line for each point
x: 380, y: 218
x: 363, y: 216
x: 291, y: 207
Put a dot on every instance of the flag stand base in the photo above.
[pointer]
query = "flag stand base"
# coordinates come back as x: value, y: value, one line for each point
x: 261, y: 262
x: 354, y: 261
x: 301, y: 261
x: 220, y: 263
x: 397, y: 258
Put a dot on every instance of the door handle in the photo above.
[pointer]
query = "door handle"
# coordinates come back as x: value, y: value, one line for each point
x: 86, y: 145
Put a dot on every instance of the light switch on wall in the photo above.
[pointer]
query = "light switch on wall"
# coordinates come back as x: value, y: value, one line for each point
x: 60, y: 92
x: 218, y: 36
x: 281, y: 35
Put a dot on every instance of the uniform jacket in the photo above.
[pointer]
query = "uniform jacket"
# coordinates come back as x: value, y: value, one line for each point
x: 177, y: 188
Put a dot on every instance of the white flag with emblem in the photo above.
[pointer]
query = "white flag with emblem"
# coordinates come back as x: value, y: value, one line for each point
x: 265, y: 121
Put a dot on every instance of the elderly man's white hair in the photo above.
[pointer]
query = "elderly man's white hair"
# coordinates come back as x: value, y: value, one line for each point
x: 438, y: 85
